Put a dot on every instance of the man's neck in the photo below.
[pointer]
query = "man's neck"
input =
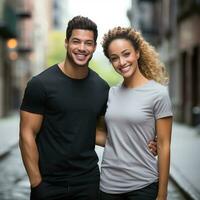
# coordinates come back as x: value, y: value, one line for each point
x: 73, y: 71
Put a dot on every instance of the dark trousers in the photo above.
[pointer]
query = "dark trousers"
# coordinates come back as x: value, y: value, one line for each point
x: 49, y: 191
x: 147, y: 193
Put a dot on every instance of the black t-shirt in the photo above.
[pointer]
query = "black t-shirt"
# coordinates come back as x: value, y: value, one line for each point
x: 70, y: 107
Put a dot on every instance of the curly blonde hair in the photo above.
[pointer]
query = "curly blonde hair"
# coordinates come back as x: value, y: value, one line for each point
x: 149, y: 63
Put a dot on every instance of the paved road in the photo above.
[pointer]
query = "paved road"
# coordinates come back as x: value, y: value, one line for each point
x: 14, y: 184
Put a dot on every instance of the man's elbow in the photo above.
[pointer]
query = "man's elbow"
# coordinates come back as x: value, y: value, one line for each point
x: 26, y: 137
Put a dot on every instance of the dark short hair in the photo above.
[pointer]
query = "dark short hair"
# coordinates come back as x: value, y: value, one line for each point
x: 80, y: 22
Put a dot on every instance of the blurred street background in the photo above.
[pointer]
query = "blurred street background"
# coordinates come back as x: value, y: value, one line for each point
x: 32, y: 34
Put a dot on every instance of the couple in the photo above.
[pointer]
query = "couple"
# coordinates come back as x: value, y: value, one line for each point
x: 61, y: 113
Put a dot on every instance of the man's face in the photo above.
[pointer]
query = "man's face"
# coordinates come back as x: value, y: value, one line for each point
x: 80, y: 47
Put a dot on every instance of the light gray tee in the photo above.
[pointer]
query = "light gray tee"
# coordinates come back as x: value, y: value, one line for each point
x: 127, y: 163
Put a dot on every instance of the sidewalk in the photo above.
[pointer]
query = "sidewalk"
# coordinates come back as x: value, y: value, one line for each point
x: 185, y: 159
x: 9, y: 134
x: 185, y: 150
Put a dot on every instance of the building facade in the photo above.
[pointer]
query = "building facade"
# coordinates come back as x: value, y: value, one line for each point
x: 173, y: 27
x: 24, y: 29
x: 8, y: 31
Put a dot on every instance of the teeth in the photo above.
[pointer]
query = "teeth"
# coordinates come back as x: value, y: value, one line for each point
x: 125, y: 69
x: 80, y: 56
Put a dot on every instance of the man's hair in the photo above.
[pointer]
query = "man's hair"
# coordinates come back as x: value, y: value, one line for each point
x: 80, y: 22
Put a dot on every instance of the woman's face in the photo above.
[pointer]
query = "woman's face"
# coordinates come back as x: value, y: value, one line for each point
x: 123, y: 57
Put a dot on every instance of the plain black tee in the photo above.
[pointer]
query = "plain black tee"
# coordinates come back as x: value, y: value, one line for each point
x: 70, y: 107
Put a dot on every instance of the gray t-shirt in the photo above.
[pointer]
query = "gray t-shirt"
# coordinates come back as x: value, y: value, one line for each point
x: 130, y: 117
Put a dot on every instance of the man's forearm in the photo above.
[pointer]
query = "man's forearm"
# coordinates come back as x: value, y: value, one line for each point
x: 30, y: 158
x: 100, y: 138
x: 101, y: 132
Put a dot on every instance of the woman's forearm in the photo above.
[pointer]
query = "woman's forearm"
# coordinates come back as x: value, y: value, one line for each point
x: 163, y: 168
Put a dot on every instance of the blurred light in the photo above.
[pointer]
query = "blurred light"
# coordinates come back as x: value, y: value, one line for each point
x: 12, y: 43
x: 13, y: 55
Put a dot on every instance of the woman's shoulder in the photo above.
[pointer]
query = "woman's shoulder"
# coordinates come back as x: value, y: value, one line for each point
x: 116, y: 87
x: 159, y: 88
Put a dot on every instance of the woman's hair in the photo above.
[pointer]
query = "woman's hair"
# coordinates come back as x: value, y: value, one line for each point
x: 80, y: 22
x: 149, y: 63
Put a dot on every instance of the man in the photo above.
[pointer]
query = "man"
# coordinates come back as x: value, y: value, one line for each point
x: 59, y: 113
x: 58, y: 118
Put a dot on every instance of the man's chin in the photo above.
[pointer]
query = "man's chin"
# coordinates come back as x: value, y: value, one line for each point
x: 81, y: 64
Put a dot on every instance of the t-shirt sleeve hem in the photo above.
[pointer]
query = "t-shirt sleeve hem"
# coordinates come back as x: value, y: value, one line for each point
x: 162, y: 115
x: 31, y: 110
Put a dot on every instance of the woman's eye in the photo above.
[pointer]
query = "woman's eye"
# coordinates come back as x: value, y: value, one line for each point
x: 113, y: 59
x: 127, y: 54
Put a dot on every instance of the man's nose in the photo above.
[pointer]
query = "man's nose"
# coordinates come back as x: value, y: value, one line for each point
x: 82, y: 46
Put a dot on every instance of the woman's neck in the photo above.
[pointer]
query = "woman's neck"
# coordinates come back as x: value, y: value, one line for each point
x: 138, y: 79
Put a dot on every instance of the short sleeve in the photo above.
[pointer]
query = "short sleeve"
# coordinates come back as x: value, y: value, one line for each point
x: 104, y: 108
x: 34, y: 97
x: 162, y: 106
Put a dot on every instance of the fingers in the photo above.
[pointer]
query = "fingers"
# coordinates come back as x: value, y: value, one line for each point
x: 153, y: 147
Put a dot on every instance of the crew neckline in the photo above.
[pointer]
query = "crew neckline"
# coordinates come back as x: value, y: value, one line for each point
x: 138, y: 87
x: 68, y: 77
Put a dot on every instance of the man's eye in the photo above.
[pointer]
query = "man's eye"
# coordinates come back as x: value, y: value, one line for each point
x: 89, y: 43
x: 75, y: 41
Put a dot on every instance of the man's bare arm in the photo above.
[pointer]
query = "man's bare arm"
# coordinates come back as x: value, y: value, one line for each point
x: 30, y: 124
x: 101, y: 133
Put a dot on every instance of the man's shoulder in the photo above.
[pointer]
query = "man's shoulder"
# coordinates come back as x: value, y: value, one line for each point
x: 47, y: 72
x: 98, y: 79
x: 43, y: 77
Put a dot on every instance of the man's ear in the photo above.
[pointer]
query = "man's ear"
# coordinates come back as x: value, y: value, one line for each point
x: 95, y: 47
x: 66, y: 42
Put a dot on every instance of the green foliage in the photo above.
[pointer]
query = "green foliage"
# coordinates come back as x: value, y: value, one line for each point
x: 56, y: 51
x: 106, y: 71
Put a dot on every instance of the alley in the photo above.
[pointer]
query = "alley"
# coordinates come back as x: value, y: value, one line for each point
x: 14, y: 183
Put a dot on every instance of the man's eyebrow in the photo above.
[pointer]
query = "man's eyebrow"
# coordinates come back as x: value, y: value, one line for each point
x: 75, y: 38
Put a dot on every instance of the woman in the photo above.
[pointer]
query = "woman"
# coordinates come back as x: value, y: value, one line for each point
x: 138, y: 110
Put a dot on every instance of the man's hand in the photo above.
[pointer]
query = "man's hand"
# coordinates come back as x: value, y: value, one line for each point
x: 153, y: 146
x: 36, y: 182
x: 101, y: 133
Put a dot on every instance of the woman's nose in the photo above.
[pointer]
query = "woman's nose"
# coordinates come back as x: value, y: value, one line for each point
x: 122, y: 61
